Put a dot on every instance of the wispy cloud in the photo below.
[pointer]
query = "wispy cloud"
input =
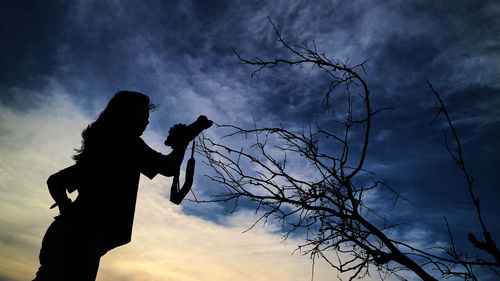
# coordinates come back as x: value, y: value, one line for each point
x: 167, y: 244
x: 180, y: 55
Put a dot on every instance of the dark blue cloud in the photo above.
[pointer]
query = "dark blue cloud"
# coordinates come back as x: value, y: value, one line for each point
x: 29, y: 31
x: 179, y: 52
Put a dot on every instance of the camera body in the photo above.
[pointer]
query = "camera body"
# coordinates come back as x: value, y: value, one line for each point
x: 181, y: 135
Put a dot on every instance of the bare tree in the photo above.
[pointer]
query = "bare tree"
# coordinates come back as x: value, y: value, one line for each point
x: 329, y: 203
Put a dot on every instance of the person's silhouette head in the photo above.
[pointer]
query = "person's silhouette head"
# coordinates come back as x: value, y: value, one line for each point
x: 128, y: 112
x: 126, y: 116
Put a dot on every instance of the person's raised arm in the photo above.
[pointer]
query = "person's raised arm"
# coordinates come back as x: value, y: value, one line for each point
x: 179, y: 137
x: 171, y: 163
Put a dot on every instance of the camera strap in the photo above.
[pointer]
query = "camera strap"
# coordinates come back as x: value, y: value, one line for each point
x: 188, y: 176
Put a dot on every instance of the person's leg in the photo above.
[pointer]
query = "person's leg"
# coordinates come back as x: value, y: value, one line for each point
x: 88, y: 256
x: 69, y: 252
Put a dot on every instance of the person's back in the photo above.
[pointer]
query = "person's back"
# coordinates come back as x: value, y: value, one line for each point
x: 107, y: 185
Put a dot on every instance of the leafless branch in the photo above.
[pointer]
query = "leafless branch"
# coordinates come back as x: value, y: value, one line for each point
x: 325, y: 199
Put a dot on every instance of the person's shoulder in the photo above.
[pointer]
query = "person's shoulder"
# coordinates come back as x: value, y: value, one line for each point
x: 141, y: 145
x: 144, y: 148
x: 130, y: 142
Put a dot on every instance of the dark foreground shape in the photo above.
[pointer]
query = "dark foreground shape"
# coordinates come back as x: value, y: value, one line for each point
x: 73, y: 248
x: 106, y: 175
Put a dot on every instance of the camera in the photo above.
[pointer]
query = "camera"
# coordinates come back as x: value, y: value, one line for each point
x: 180, y: 134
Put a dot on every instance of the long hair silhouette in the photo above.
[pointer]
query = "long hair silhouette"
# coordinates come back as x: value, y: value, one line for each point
x: 114, y: 122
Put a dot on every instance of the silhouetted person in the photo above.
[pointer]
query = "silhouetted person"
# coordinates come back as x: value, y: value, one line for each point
x: 106, y: 175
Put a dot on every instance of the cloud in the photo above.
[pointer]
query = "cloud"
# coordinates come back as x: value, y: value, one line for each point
x: 167, y: 244
x: 34, y: 143
x: 180, y: 54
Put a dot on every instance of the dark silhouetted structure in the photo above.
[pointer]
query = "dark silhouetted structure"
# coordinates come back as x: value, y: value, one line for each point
x: 106, y: 175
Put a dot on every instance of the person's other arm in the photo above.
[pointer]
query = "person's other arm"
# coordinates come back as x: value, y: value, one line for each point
x: 58, y: 183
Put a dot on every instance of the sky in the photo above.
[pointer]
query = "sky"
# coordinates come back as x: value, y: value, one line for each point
x: 62, y: 61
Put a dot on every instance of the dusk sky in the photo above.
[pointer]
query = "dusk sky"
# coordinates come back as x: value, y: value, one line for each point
x: 61, y: 62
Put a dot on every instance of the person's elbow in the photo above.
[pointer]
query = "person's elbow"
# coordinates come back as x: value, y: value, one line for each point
x: 52, y: 181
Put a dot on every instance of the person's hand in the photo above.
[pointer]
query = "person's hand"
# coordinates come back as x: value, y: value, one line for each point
x: 177, y: 136
x: 65, y: 208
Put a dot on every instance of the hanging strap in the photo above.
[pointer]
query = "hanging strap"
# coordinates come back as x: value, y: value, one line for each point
x: 188, y: 181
